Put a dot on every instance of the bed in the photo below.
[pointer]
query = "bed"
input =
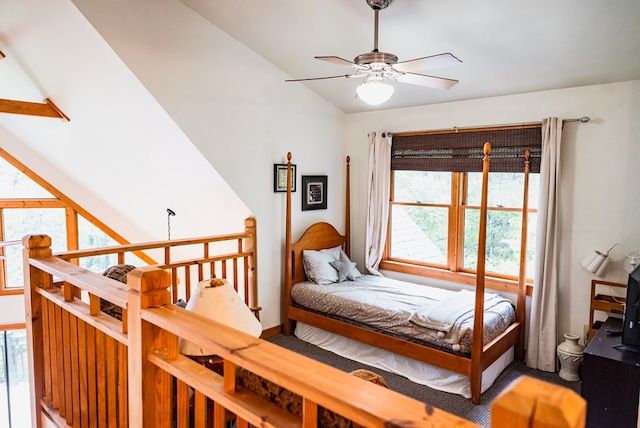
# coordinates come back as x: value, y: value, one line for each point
x: 463, y: 359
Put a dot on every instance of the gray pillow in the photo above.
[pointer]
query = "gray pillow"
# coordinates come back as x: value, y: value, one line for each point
x: 352, y: 271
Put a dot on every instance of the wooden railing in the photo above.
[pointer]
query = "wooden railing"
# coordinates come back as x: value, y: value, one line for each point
x: 87, y: 372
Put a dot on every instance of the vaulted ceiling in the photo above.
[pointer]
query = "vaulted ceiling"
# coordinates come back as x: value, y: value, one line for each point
x: 506, y: 47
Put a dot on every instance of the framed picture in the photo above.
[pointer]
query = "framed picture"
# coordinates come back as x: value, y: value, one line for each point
x: 280, y: 177
x: 314, y: 192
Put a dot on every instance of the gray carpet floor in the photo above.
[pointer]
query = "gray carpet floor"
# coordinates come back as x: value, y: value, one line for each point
x: 462, y: 407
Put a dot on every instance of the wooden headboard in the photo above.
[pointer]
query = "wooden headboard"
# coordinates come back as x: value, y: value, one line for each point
x: 317, y: 237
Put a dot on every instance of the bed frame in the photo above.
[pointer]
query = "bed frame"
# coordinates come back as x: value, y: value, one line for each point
x: 324, y: 235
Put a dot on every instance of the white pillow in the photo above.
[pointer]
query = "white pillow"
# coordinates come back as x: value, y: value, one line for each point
x: 317, y: 265
x: 353, y: 272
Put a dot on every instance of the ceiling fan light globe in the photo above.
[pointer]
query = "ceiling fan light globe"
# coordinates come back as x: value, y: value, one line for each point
x: 374, y: 92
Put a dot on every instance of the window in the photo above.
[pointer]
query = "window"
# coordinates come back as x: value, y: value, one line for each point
x: 29, y: 205
x: 14, y: 380
x: 434, y: 208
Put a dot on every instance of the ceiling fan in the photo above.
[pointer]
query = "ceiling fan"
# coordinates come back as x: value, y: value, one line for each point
x: 377, y: 67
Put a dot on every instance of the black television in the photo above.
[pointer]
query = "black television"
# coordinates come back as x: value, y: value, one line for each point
x: 631, y: 321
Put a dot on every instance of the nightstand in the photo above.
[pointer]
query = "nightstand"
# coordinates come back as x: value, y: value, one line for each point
x: 610, y: 380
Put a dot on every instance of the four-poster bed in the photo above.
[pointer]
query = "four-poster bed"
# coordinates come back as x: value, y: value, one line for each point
x: 490, y: 354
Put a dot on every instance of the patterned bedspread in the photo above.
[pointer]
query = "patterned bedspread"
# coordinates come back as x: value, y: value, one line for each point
x: 386, y: 305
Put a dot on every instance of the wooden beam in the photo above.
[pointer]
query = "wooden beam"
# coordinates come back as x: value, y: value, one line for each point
x: 46, y: 109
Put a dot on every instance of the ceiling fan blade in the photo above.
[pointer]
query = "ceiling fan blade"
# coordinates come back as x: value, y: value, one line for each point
x: 434, y: 61
x: 323, y: 78
x: 336, y: 60
x: 424, y: 80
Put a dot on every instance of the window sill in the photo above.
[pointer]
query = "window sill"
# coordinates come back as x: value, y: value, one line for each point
x: 457, y: 277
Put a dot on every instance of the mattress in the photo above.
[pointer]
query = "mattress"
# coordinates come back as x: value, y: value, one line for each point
x: 387, y: 305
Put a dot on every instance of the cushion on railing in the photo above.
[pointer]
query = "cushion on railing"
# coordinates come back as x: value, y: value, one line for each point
x: 119, y: 273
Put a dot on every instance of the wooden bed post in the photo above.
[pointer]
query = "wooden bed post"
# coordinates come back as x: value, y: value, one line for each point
x: 287, y: 325
x: 478, y: 322
x: 522, y: 280
x: 150, y: 388
x: 347, y: 214
x: 37, y: 246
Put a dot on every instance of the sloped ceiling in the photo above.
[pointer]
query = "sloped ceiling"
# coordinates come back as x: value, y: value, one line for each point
x: 506, y: 47
x: 116, y: 128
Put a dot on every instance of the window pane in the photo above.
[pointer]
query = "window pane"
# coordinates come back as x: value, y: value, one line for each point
x: 503, y: 241
x: 419, y: 233
x: 18, y: 378
x: 31, y: 221
x: 89, y: 236
x: 505, y: 189
x: 425, y: 187
x: 4, y: 397
x: 14, y: 184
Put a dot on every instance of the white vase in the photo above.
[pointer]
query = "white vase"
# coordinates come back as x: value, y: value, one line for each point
x: 570, y: 355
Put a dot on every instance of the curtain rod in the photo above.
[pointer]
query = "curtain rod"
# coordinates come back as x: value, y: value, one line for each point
x: 583, y: 119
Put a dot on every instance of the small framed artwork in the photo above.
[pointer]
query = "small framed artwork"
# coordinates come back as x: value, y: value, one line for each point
x: 314, y: 192
x: 280, y: 177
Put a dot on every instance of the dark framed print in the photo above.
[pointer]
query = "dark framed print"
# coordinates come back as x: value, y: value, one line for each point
x: 314, y: 192
x: 280, y: 177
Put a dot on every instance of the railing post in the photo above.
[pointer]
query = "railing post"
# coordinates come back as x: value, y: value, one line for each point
x: 532, y: 403
x: 252, y: 246
x: 37, y: 246
x: 148, y: 288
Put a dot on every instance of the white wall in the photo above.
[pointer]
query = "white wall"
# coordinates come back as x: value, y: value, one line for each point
x: 163, y: 105
x: 237, y: 110
x: 600, y: 171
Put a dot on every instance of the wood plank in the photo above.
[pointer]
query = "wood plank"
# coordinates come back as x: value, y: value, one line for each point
x: 92, y: 384
x: 101, y: 379
x: 60, y: 361
x: 47, y: 333
x: 111, y: 381
x: 123, y: 397
x: 83, y: 381
x: 68, y: 375
x: 182, y: 404
x: 74, y: 366
x: 46, y: 109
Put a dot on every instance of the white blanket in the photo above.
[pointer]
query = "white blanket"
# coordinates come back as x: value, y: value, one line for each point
x: 452, y: 311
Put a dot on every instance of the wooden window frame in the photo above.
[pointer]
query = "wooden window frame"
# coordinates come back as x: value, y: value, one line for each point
x: 59, y: 200
x: 454, y: 271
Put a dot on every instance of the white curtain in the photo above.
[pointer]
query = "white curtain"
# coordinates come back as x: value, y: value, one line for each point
x: 378, y: 209
x: 543, y: 324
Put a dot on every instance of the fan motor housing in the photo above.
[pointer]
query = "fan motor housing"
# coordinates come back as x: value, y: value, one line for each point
x: 376, y: 57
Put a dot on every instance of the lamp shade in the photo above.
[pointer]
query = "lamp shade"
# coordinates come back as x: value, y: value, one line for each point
x: 597, y: 263
x: 374, y: 91
x: 216, y: 299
